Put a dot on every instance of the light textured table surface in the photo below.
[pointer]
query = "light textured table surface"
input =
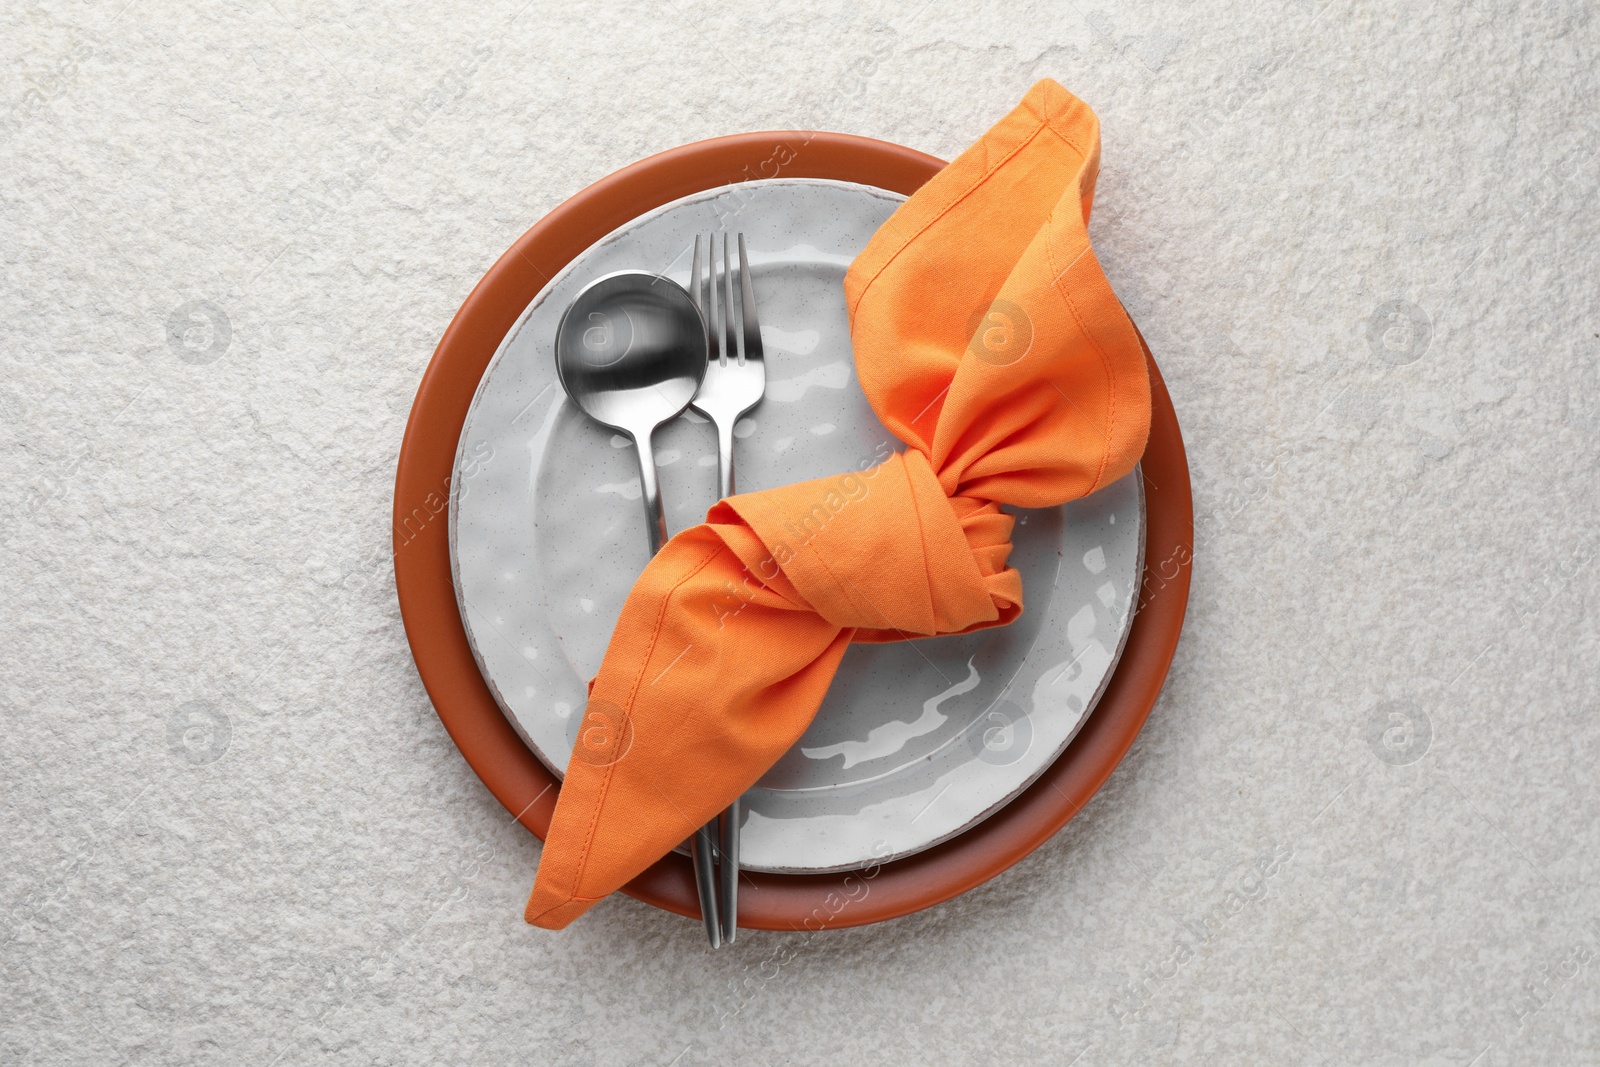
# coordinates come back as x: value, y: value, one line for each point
x: 1361, y: 824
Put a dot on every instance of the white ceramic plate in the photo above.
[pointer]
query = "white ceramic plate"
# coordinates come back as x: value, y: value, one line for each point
x: 916, y: 741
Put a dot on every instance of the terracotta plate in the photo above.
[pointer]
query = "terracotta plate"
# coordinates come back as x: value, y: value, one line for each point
x: 468, y: 708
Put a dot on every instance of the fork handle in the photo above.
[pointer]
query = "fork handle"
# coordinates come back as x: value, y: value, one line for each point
x: 701, y: 848
x: 728, y: 846
x: 725, y: 460
x: 728, y: 836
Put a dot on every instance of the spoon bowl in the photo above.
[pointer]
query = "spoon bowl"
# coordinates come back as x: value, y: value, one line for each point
x: 631, y: 352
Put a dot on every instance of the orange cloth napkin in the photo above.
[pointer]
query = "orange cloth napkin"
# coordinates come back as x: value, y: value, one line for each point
x: 988, y: 340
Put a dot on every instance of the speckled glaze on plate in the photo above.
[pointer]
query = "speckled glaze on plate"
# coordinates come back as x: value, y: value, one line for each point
x: 916, y: 741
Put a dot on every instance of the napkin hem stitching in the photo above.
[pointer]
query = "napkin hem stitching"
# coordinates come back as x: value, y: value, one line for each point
x: 1041, y: 122
x: 605, y: 781
x: 588, y: 902
x: 951, y: 206
x: 1105, y: 363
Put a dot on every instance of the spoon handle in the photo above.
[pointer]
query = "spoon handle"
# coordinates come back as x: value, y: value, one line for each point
x: 702, y: 844
x: 655, y: 518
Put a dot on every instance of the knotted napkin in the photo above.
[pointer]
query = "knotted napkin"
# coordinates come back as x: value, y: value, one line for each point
x: 987, y: 339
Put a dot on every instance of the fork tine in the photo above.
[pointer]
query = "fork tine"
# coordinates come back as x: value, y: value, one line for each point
x: 695, y: 296
x: 750, y: 336
x: 711, y: 295
x: 714, y: 322
x: 731, y: 346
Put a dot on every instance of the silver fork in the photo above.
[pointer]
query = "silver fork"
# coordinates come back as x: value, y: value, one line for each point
x: 736, y: 378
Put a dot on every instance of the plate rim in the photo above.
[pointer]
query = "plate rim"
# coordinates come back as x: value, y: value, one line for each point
x: 461, y: 697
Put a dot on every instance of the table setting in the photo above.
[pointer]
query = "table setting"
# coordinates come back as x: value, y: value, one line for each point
x: 509, y: 497
x: 916, y: 524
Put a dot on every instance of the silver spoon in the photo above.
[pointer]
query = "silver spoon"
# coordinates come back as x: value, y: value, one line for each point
x: 631, y: 353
